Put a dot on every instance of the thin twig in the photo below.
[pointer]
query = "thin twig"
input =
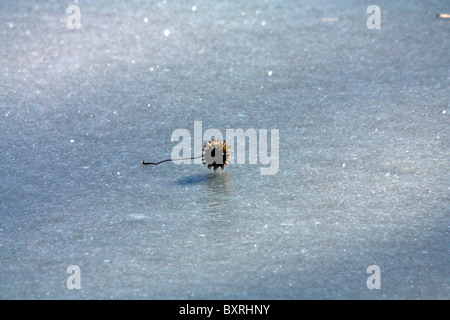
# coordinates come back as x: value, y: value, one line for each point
x: 156, y: 163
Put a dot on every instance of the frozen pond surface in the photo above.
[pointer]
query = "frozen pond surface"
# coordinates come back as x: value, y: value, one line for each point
x: 363, y: 117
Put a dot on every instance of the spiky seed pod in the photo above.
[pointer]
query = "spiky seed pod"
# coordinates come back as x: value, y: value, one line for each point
x: 216, y: 154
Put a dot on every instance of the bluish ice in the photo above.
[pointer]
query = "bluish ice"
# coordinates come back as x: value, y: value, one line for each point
x: 363, y: 179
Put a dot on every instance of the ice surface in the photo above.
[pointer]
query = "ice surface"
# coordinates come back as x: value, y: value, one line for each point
x: 364, y: 150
